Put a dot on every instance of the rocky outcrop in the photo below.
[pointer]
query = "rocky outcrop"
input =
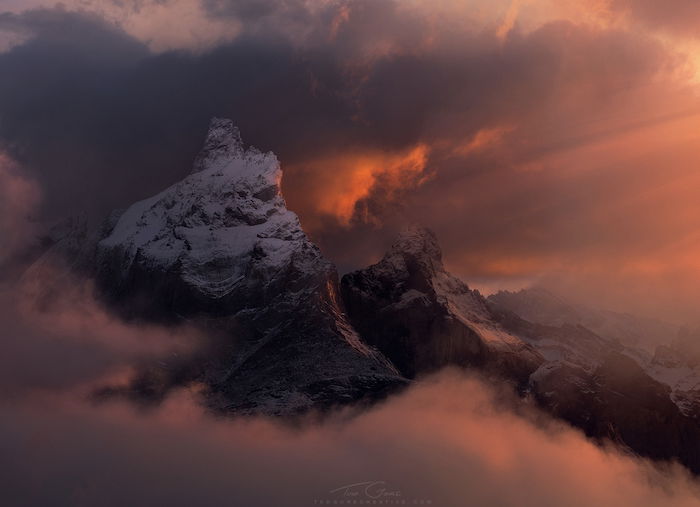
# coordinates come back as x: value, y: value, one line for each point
x: 422, y: 318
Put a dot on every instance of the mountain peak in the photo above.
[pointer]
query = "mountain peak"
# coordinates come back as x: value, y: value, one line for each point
x: 223, y: 142
x: 214, y: 225
x: 418, y: 243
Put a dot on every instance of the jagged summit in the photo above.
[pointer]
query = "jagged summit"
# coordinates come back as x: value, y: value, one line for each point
x: 422, y: 317
x: 419, y: 244
x: 223, y: 142
x: 224, y: 152
x: 214, y: 228
x: 416, y: 255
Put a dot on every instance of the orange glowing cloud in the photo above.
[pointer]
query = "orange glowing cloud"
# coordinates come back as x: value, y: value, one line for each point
x: 509, y: 20
x: 484, y: 138
x: 613, y: 212
x: 347, y: 179
x: 446, y: 441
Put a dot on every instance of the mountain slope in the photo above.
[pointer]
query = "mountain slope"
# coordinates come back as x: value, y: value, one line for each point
x: 665, y: 352
x: 544, y: 307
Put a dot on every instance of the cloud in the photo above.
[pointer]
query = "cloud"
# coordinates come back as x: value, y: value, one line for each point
x: 343, y: 185
x: 162, y: 25
x: 448, y: 441
x: 678, y: 16
x: 509, y: 20
x: 57, y: 336
x: 19, y: 197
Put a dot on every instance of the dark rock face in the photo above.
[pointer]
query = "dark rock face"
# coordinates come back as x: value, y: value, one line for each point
x: 422, y: 318
x: 620, y: 402
x: 222, y: 249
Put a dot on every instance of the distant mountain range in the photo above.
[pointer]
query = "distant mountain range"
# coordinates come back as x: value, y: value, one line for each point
x: 221, y: 250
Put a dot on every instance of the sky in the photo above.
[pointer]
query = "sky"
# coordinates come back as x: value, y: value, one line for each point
x: 546, y: 142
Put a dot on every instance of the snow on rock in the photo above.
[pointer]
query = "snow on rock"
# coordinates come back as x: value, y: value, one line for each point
x: 541, y: 306
x: 226, y: 215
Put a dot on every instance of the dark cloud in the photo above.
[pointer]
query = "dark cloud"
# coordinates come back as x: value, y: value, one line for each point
x: 257, y: 11
x: 100, y: 121
x: 341, y: 91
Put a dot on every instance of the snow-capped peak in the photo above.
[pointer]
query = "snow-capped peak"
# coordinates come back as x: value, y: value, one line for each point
x: 223, y: 142
x: 226, y: 216
x: 224, y: 152
x: 420, y: 245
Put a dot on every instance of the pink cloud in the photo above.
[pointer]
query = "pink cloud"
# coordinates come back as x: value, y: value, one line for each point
x: 19, y: 197
x: 449, y: 441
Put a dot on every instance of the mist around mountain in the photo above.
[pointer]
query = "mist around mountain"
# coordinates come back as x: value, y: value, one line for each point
x: 252, y: 321
x: 540, y: 305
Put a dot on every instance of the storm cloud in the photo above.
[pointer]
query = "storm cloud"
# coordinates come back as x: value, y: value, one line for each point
x: 536, y: 138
